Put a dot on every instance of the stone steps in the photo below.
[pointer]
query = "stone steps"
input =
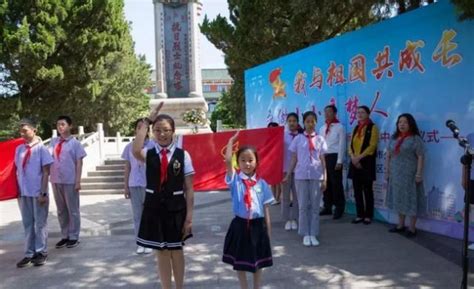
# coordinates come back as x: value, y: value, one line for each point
x: 106, y: 179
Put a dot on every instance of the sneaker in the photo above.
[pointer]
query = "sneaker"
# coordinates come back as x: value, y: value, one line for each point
x: 62, y: 243
x: 39, y: 259
x: 294, y: 225
x: 471, y: 247
x: 140, y: 250
x: 148, y: 251
x: 307, y: 241
x: 314, y: 241
x: 288, y: 226
x: 72, y: 243
x: 27, y: 261
x: 357, y: 221
x: 411, y: 234
x: 275, y: 202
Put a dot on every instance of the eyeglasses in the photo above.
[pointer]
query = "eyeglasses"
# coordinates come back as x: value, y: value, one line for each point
x: 163, y: 131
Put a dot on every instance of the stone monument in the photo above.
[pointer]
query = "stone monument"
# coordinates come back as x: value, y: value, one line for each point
x: 178, y: 73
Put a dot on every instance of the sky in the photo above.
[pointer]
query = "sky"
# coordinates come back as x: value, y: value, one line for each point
x: 140, y: 13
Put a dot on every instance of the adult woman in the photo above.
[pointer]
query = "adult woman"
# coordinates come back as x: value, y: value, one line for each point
x: 404, y: 164
x: 362, y: 150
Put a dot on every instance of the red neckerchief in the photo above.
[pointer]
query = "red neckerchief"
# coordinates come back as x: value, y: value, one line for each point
x: 328, y: 124
x: 27, y: 156
x: 400, y: 140
x: 58, y: 148
x: 361, y: 125
x: 310, y: 142
x: 164, y: 166
x: 293, y: 134
x: 249, y: 183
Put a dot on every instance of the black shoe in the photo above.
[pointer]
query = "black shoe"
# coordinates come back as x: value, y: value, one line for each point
x: 62, y: 243
x: 72, y: 243
x: 396, y: 229
x: 357, y: 221
x: 337, y: 216
x: 367, y: 222
x: 25, y: 262
x: 39, y: 259
x: 410, y: 234
x: 325, y: 212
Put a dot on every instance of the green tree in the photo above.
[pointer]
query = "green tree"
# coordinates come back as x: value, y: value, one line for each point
x: 69, y: 57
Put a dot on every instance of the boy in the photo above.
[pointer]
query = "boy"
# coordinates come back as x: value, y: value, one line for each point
x: 66, y: 181
x: 32, y: 161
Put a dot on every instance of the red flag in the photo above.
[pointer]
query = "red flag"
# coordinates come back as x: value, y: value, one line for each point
x: 8, y: 184
x: 207, y: 152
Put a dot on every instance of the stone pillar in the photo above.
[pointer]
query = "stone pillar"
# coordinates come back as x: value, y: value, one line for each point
x: 194, y: 65
x: 159, y: 50
x: 80, y: 130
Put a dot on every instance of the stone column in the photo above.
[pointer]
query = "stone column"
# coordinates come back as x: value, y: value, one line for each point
x: 194, y: 66
x: 159, y: 50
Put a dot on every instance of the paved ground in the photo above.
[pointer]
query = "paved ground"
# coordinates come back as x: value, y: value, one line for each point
x: 350, y: 256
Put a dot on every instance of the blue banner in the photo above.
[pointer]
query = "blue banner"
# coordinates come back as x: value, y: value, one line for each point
x: 421, y: 62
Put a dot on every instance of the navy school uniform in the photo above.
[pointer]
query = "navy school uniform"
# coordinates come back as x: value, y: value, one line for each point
x: 247, y: 244
x: 164, y: 209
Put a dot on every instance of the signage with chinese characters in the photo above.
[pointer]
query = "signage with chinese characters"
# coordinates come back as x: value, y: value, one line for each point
x: 176, y: 32
x: 420, y: 62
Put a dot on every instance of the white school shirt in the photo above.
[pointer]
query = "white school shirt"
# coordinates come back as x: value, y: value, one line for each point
x: 335, y: 140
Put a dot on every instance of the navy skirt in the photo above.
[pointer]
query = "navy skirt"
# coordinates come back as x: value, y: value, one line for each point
x: 247, y: 245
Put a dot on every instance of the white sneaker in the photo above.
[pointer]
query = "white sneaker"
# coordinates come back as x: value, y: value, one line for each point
x: 306, y: 241
x: 140, y: 250
x: 294, y: 225
x: 288, y: 226
x: 314, y: 241
x: 148, y: 250
x: 471, y: 247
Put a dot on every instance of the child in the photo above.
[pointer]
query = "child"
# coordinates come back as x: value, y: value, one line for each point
x: 289, y: 213
x: 168, y: 208
x: 135, y: 183
x: 276, y: 189
x: 32, y: 161
x: 66, y: 174
x: 247, y: 243
x: 308, y: 151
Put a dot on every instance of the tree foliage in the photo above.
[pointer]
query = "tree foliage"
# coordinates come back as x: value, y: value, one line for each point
x: 69, y: 57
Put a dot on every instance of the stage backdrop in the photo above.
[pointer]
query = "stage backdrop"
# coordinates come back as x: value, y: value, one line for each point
x: 421, y: 62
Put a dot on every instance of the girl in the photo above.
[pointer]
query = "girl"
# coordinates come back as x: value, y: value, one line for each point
x: 404, y: 166
x: 168, y: 209
x: 135, y: 183
x: 247, y: 243
x: 362, y: 149
x: 308, y: 162
x: 289, y: 212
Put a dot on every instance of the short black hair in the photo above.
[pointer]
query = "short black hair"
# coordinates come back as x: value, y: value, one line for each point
x: 331, y: 106
x: 364, y: 107
x: 250, y: 148
x: 310, y: 113
x: 293, y: 114
x: 167, y: 118
x: 66, y: 118
x: 273, y: 124
x: 136, y: 122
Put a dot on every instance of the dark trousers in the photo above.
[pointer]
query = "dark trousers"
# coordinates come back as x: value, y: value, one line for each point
x: 334, y: 194
x: 364, y: 196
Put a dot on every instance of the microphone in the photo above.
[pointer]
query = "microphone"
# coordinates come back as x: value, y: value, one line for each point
x: 452, y: 126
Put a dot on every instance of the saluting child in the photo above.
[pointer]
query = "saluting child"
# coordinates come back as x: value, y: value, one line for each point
x: 168, y: 208
x: 247, y: 243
